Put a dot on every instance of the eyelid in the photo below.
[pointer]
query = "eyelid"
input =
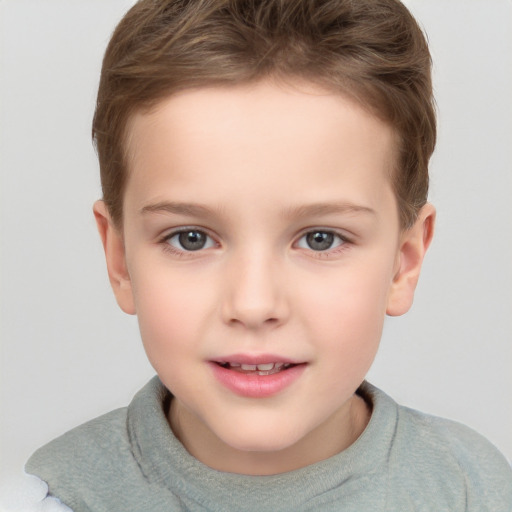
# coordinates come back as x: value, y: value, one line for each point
x: 345, y: 240
x: 169, y: 232
x: 164, y: 239
x: 342, y: 233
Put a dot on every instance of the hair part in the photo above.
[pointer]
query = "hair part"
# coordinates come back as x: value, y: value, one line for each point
x: 372, y: 51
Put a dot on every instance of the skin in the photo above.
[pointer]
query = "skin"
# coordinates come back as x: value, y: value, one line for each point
x: 256, y: 168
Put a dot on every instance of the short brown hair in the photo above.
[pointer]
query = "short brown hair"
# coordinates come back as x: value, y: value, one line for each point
x: 371, y: 50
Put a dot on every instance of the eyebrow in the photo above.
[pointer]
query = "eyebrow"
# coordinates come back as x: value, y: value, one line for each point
x: 315, y: 209
x: 190, y: 209
x: 319, y: 209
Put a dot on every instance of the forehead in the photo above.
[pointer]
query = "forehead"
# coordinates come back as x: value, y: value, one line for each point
x: 269, y: 105
x: 289, y: 136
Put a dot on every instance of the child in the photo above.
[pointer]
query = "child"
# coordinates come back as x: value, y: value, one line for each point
x: 264, y: 171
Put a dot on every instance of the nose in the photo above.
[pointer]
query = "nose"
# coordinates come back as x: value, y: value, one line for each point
x: 255, y: 292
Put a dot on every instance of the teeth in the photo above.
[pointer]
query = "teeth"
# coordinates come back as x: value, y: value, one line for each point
x: 262, y: 369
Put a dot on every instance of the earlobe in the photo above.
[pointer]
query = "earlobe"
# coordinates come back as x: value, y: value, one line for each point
x: 413, y: 246
x: 115, y: 256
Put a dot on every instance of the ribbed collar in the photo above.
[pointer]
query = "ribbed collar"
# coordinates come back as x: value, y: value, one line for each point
x: 165, y: 462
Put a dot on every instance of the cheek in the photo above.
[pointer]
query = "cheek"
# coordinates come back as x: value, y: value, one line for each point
x: 349, y: 308
x: 171, y: 308
x: 348, y: 325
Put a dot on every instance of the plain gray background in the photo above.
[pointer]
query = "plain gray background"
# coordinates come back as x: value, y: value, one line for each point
x: 69, y: 354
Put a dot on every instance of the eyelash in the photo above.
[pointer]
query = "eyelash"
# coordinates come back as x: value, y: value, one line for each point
x: 165, y: 241
x: 343, y: 242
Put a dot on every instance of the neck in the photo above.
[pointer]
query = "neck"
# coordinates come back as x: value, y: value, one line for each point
x: 331, y: 437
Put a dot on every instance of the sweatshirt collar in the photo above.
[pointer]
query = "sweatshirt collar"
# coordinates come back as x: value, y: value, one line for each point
x: 165, y: 462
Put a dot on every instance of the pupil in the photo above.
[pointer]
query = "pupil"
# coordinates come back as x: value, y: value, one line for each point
x: 320, y: 240
x: 192, y: 240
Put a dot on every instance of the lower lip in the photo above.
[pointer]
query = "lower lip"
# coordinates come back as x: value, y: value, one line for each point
x: 256, y: 386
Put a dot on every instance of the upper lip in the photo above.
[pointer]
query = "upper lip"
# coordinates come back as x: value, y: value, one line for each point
x: 255, y: 359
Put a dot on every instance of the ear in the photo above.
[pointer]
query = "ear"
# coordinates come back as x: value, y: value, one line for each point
x: 414, y: 243
x: 113, y: 245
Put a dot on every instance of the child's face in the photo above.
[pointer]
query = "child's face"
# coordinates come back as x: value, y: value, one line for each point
x: 260, y: 226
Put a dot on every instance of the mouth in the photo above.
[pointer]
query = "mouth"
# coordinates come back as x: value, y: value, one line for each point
x: 257, y: 376
x: 256, y: 369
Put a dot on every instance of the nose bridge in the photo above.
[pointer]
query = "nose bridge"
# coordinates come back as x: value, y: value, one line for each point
x: 254, y: 295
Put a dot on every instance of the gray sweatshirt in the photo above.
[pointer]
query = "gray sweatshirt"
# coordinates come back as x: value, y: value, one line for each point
x: 129, y: 460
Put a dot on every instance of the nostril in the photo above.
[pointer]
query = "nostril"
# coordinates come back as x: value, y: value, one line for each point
x: 253, y: 321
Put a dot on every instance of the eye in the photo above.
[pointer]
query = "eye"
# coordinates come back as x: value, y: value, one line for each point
x: 319, y: 240
x: 190, y: 240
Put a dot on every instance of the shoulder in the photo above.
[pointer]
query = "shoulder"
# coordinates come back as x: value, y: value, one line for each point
x: 99, y: 465
x: 86, y: 442
x: 84, y: 456
x: 455, y: 440
x: 455, y: 459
